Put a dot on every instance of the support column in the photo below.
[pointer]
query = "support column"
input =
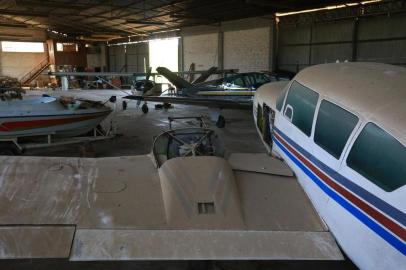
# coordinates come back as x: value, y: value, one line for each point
x: 310, y: 46
x: 181, y: 54
x: 355, y: 41
x: 273, y: 45
x: 220, y: 50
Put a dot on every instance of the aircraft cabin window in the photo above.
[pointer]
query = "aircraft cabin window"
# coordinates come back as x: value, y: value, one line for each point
x: 249, y: 80
x: 261, y: 78
x: 379, y: 157
x: 279, y: 100
x: 238, y: 82
x: 333, y: 137
x: 300, y: 104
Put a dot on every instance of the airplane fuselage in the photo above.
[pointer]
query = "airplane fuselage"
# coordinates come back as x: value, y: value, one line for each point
x: 324, y: 139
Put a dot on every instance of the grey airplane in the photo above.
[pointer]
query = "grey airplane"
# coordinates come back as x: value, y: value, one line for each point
x: 232, y: 92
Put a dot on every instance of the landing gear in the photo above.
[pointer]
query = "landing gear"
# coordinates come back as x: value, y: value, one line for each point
x: 167, y: 105
x: 124, y: 104
x: 144, y: 108
x: 221, y: 121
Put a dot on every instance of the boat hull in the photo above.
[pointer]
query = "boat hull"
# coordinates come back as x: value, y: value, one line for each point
x: 60, y: 125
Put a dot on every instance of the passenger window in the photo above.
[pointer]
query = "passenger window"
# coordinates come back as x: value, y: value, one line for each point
x: 379, y: 157
x: 261, y: 78
x: 249, y: 80
x: 301, y: 103
x: 238, y: 82
x: 333, y: 128
x: 279, y: 100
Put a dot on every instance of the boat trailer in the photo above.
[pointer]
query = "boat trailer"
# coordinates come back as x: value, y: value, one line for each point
x: 14, y: 146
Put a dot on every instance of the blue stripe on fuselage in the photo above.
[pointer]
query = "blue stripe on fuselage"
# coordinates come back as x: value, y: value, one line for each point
x: 388, y: 237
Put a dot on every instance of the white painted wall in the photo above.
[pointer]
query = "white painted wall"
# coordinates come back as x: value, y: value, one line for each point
x: 201, y: 50
x: 17, y: 64
x: 247, y: 50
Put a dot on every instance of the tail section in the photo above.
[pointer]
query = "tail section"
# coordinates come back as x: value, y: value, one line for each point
x: 205, y: 75
x: 173, y: 78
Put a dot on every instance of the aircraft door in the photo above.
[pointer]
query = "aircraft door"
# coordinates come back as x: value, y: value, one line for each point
x: 269, y: 120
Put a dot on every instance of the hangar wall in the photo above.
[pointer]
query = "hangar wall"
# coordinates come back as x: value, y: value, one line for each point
x: 128, y: 58
x: 242, y: 44
x: 201, y: 50
x: 257, y: 44
x: 247, y: 50
x: 17, y: 64
x: 378, y: 39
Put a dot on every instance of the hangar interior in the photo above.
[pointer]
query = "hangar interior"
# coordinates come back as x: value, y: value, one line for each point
x: 94, y: 50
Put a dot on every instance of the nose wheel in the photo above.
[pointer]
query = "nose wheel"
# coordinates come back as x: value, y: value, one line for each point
x: 221, y: 121
x: 144, y: 108
x: 124, y: 105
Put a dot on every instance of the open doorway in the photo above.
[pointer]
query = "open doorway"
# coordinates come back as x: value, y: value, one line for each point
x: 163, y: 53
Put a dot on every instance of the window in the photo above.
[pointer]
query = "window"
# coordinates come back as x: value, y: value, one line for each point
x: 301, y: 104
x: 238, y: 81
x: 249, y: 80
x: 279, y: 100
x: 333, y: 127
x: 261, y: 78
x: 379, y: 157
x: 67, y: 47
x: 205, y: 207
x: 11, y: 46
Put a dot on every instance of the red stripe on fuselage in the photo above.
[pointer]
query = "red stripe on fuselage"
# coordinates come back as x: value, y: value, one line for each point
x: 24, y: 125
x: 382, y: 219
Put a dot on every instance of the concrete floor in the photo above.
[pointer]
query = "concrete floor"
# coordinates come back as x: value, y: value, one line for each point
x: 137, y: 130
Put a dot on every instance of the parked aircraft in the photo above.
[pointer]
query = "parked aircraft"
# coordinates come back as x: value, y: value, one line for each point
x: 185, y: 201
x: 342, y: 129
x: 231, y: 92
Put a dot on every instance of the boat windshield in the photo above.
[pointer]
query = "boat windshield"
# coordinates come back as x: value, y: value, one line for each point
x: 186, y: 142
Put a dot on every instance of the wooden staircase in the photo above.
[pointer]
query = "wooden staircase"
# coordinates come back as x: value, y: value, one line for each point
x: 35, y: 72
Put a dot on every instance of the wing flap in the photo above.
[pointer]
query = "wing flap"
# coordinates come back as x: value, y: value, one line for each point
x: 29, y: 242
x: 90, y: 245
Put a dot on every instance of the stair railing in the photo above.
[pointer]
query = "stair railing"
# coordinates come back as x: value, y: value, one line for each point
x: 27, y: 78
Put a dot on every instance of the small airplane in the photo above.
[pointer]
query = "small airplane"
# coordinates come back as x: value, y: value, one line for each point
x: 232, y: 92
x: 342, y: 129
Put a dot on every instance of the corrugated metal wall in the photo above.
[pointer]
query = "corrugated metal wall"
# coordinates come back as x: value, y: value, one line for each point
x: 378, y: 39
x: 129, y: 58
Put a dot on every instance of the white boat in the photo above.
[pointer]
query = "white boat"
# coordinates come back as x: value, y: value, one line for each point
x: 62, y: 117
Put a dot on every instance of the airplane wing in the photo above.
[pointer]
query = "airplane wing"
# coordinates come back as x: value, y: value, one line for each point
x: 206, y: 102
x: 124, y: 208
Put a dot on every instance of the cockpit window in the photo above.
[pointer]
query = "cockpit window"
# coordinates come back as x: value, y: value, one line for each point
x: 379, y: 157
x: 300, y: 104
x: 237, y: 81
x: 280, y: 99
x: 261, y: 78
x: 333, y: 128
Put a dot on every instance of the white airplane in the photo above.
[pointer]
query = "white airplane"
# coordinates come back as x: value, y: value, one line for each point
x: 342, y: 129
